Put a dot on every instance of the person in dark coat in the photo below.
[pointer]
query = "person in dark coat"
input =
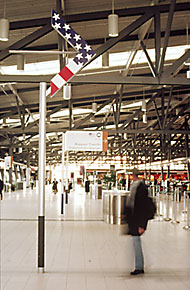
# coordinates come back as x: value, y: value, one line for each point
x: 54, y: 187
x: 136, y: 217
x: 87, y: 185
x: 1, y: 188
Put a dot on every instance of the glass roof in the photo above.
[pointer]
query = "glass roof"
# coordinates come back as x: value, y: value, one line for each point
x: 115, y: 59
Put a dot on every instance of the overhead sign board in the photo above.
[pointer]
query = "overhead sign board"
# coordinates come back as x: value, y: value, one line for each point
x: 8, y: 162
x: 86, y: 141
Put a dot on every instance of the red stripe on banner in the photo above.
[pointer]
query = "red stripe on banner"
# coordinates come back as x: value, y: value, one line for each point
x: 65, y: 73
x: 53, y: 89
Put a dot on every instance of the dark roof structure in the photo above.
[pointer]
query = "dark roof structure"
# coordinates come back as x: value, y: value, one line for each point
x: 143, y: 102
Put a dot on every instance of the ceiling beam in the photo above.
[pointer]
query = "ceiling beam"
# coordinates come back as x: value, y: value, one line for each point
x: 167, y: 34
x: 153, y: 71
x: 92, y: 114
x: 100, y: 78
x: 97, y: 78
x: 126, y: 31
x: 26, y: 40
x: 178, y: 63
x: 98, y: 15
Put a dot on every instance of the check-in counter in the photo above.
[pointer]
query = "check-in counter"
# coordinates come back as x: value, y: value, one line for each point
x: 92, y: 191
x: 96, y: 191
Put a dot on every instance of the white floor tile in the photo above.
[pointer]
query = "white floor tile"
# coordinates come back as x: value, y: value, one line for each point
x: 82, y: 252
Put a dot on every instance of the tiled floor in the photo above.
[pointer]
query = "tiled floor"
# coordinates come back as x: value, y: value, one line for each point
x: 82, y: 251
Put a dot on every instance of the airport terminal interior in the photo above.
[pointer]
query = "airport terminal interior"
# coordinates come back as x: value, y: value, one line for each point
x: 89, y: 92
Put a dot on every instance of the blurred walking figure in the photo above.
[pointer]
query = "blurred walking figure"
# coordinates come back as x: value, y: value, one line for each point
x: 1, y: 189
x: 87, y: 185
x: 32, y: 182
x: 54, y: 187
x: 137, y: 218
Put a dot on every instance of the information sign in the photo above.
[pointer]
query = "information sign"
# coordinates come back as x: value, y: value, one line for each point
x: 86, y: 141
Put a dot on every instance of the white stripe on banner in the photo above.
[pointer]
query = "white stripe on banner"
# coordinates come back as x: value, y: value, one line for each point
x: 58, y: 81
x: 74, y: 67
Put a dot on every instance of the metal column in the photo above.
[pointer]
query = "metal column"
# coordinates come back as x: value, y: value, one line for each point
x: 10, y: 168
x: 63, y: 173
x: 28, y: 171
x: 41, y: 177
x: 66, y: 178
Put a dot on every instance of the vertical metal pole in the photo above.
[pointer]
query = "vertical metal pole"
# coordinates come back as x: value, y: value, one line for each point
x: 167, y: 218
x: 10, y: 168
x: 127, y: 182
x: 63, y: 173
x: 159, y: 214
x: 149, y: 174
x: 168, y: 178
x: 175, y: 221
x: 70, y: 114
x: 177, y: 195
x: 187, y: 227
x: 184, y: 202
x: 188, y: 171
x: 28, y: 171
x: 162, y: 177
x: 153, y: 191
x: 41, y: 177
x: 66, y: 178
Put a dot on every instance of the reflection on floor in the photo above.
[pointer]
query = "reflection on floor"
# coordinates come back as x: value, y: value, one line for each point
x: 82, y: 251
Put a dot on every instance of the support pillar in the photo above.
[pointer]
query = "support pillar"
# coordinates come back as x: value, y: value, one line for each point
x: 66, y: 178
x: 162, y: 173
x: 41, y: 176
x: 63, y: 173
x: 10, y: 168
x: 145, y: 174
x: 149, y: 177
x: 188, y: 171
x: 28, y: 171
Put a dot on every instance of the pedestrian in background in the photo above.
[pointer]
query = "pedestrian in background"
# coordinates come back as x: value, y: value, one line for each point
x: 87, y: 185
x: 1, y: 188
x: 54, y: 187
x: 32, y: 182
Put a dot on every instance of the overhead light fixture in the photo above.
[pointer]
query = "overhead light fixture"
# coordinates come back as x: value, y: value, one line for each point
x: 4, y: 29
x: 145, y: 118
x: 92, y: 120
x: 143, y: 105
x: 20, y: 62
x: 4, y: 122
x: 113, y: 23
x: 4, y: 26
x: 94, y: 107
x: 67, y: 92
x: 187, y: 62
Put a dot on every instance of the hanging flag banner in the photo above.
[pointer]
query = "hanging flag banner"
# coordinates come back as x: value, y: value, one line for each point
x: 86, y: 141
x: 8, y: 162
x: 85, y: 53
